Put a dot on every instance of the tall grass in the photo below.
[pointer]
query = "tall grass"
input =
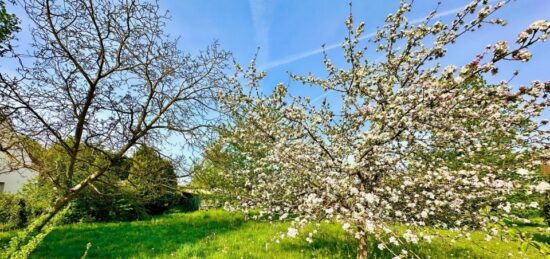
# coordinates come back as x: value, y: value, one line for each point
x: 219, y: 234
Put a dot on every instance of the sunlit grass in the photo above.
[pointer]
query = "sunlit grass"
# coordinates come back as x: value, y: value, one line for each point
x: 219, y: 234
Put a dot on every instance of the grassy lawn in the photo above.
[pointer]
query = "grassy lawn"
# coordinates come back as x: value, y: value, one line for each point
x: 218, y: 234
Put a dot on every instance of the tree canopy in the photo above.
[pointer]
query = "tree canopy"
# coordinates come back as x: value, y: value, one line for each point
x: 412, y: 142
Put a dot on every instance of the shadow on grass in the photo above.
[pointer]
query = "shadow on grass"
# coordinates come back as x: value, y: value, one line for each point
x: 143, y: 239
x: 537, y: 222
x: 326, y: 244
x: 337, y: 248
x: 336, y: 245
x: 542, y: 238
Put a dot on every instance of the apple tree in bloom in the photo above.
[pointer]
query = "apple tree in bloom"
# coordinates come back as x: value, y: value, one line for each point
x: 408, y: 142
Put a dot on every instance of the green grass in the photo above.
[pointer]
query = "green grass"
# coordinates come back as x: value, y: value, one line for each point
x: 218, y: 234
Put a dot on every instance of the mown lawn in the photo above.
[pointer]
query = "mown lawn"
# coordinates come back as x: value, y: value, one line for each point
x: 219, y: 234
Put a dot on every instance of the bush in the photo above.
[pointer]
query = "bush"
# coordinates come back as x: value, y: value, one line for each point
x: 12, y: 212
x: 132, y: 189
x: 114, y: 202
x: 186, y: 202
x: 38, y: 195
x: 110, y: 200
x: 154, y: 179
x: 111, y: 205
x: 546, y: 210
x: 160, y: 204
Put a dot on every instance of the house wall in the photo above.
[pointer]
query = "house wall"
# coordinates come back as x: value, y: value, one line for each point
x: 14, y: 161
x: 13, y: 181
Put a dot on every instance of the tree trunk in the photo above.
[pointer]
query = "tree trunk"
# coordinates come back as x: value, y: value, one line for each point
x: 14, y: 250
x: 60, y: 203
x: 362, y: 247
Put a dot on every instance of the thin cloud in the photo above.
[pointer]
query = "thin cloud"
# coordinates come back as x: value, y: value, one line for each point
x: 261, y: 27
x: 309, y: 53
x: 306, y: 54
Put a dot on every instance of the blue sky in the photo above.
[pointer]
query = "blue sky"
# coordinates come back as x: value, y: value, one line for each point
x: 291, y: 32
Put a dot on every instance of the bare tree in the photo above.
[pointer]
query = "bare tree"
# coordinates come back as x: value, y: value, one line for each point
x: 106, y: 76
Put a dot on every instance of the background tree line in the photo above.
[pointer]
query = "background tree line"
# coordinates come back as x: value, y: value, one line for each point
x: 141, y: 185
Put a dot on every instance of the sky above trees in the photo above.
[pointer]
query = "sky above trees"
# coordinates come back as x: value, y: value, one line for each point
x: 290, y: 34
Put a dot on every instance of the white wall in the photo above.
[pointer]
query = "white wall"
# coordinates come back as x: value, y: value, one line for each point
x: 14, y: 161
x: 13, y: 181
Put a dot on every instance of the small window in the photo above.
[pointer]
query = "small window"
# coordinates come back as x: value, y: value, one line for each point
x: 1, y: 187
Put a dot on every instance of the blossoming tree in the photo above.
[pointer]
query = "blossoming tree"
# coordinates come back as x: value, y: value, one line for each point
x: 406, y: 144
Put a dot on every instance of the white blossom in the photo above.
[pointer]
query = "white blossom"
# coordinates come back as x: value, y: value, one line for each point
x: 292, y: 232
x: 542, y: 187
x: 346, y: 226
x: 522, y: 171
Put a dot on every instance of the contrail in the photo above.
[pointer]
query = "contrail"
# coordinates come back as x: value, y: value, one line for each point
x: 309, y: 53
x: 306, y: 54
x: 261, y: 28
